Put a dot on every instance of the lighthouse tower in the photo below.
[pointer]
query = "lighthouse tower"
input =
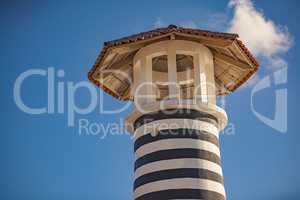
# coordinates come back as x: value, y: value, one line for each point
x: 173, y: 76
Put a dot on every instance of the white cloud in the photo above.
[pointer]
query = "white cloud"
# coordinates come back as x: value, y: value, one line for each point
x: 261, y: 35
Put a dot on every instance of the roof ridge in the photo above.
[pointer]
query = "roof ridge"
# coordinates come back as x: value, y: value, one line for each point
x: 169, y: 29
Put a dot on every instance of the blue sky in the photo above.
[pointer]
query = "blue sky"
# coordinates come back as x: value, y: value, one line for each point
x: 43, y: 158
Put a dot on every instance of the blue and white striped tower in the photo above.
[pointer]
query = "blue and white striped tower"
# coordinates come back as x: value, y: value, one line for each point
x: 177, y: 155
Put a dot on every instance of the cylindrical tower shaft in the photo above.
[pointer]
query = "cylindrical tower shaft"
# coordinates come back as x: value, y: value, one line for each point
x: 177, y: 156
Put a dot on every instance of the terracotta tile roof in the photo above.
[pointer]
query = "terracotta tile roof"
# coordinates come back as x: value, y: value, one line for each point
x: 169, y: 29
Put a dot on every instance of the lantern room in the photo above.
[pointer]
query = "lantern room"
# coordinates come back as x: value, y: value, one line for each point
x: 174, y: 69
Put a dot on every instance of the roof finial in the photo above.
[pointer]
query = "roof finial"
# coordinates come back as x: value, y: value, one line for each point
x: 172, y: 26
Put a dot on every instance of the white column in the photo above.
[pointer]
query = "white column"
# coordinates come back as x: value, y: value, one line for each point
x: 142, y: 73
x: 197, y: 82
x: 136, y: 76
x: 172, y: 72
x: 147, y: 70
x: 204, y: 77
x: 210, y: 79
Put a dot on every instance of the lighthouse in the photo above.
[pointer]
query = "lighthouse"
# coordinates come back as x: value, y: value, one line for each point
x: 173, y: 76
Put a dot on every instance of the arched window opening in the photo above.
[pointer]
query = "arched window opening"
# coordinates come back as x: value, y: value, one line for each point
x: 160, y: 76
x: 185, y: 75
